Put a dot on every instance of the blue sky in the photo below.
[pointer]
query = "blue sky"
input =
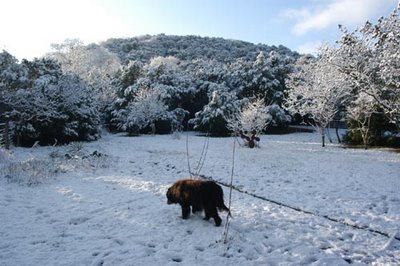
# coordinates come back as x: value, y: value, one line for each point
x: 301, y: 25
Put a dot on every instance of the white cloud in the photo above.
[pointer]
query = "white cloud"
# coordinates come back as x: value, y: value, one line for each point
x: 310, y: 47
x: 346, y: 12
x: 33, y: 25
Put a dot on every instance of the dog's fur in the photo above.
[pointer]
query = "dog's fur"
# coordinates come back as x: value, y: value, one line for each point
x: 200, y: 195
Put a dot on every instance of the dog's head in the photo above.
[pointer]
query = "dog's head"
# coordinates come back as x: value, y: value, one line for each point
x: 171, y: 199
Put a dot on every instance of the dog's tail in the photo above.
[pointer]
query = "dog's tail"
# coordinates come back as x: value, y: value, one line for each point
x: 222, y: 207
x: 220, y: 201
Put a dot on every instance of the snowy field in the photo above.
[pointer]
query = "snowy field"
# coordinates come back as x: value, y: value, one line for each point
x: 111, y: 210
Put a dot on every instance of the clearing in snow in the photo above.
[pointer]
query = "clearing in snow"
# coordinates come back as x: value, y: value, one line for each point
x: 294, y: 202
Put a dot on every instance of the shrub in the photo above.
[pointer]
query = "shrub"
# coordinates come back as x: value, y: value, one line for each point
x: 49, y: 113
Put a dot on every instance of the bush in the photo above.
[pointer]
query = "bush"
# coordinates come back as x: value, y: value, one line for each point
x: 49, y: 113
x: 382, y: 133
x: 36, y: 171
x: 30, y: 172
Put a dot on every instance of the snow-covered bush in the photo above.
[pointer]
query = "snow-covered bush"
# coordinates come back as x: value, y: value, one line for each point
x: 5, y: 156
x: 39, y: 170
x: 50, y: 111
x: 190, y: 84
x: 279, y: 118
x: 251, y: 118
x: 29, y: 172
x: 45, y: 105
x: 77, y: 156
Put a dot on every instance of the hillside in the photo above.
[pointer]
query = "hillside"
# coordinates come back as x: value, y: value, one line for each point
x: 189, y: 47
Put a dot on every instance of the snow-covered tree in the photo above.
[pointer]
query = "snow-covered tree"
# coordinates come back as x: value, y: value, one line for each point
x: 48, y: 105
x: 251, y: 118
x: 12, y: 74
x: 386, y: 34
x: 264, y: 77
x: 169, y: 77
x: 223, y: 103
x: 93, y: 63
x: 316, y: 90
x: 163, y: 77
x: 49, y: 112
x: 370, y: 58
x: 144, y: 110
x: 41, y: 72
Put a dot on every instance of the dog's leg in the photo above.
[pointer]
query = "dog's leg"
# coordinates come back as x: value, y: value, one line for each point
x: 185, y: 211
x: 217, y: 220
x: 214, y: 214
x: 207, y: 213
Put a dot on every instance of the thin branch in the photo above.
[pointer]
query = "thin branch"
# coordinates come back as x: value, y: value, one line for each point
x: 226, y: 230
x: 203, y: 155
x: 187, y: 154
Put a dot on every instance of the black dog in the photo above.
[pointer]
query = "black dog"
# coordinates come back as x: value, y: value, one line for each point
x: 201, y: 195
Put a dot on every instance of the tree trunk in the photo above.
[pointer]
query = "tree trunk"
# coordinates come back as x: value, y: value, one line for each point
x: 366, y: 133
x: 328, y: 134
x: 323, y: 137
x: 337, y: 133
x: 365, y: 140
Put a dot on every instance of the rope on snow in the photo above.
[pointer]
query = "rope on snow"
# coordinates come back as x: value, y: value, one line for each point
x: 327, y: 217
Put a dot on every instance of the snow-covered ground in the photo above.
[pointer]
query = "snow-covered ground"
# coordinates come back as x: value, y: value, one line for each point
x: 112, y: 210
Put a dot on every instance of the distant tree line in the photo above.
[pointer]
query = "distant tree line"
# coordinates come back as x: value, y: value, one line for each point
x: 168, y: 83
x: 139, y: 85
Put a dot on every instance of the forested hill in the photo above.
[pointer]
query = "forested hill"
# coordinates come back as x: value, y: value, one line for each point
x: 189, y: 47
x: 130, y: 84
